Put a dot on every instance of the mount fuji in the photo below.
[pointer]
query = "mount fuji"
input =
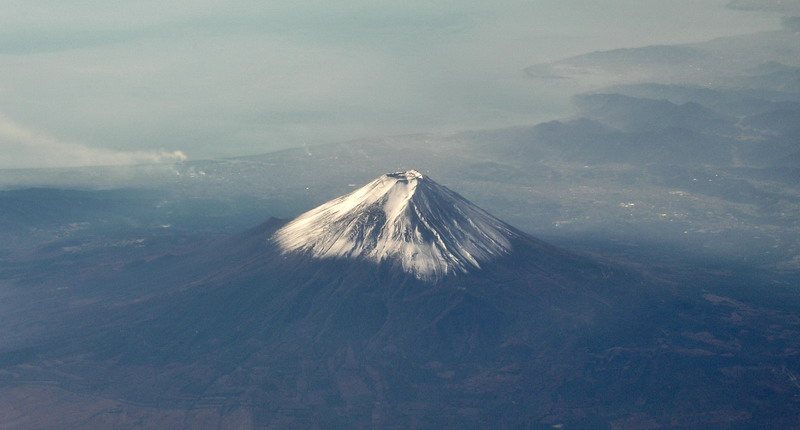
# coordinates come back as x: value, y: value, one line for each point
x: 406, y: 219
x: 399, y: 305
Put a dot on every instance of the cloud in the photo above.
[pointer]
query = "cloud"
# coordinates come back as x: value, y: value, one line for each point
x: 21, y: 147
x: 224, y: 78
x: 791, y: 23
x: 784, y: 7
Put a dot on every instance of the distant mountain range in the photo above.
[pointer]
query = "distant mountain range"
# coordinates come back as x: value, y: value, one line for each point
x: 768, y: 61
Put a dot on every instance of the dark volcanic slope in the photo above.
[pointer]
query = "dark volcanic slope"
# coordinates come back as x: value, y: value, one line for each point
x: 341, y: 341
x: 244, y: 335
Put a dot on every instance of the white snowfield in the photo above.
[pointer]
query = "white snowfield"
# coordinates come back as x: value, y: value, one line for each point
x: 404, y: 218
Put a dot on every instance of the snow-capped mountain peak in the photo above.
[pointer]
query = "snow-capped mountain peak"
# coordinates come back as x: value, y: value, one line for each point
x: 402, y: 218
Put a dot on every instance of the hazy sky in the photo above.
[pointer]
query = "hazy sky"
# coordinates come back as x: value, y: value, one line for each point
x: 115, y: 81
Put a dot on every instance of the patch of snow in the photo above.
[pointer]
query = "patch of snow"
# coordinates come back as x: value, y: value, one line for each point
x: 405, y: 218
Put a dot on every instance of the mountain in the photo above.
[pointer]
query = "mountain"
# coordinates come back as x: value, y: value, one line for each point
x: 676, y: 306
x: 736, y: 102
x: 406, y: 219
x: 590, y: 141
x: 724, y: 61
x: 637, y: 114
x: 399, y: 304
x: 626, y: 63
x: 265, y: 330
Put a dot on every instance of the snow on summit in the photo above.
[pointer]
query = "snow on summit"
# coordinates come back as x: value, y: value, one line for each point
x: 404, y: 218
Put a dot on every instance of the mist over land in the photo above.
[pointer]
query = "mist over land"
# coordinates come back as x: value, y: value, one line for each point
x: 665, y: 174
x: 691, y: 145
x: 221, y: 79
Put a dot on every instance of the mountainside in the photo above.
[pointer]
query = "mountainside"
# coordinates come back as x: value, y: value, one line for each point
x: 404, y: 218
x: 356, y: 338
x: 401, y: 305
x: 718, y: 61
x: 247, y: 333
